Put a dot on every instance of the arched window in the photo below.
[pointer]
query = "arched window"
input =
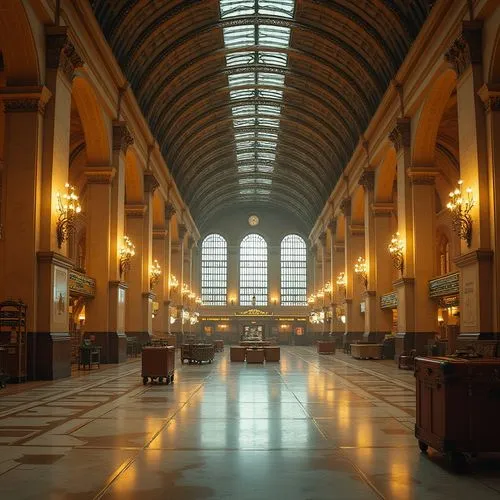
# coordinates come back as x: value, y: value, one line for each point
x: 253, y: 271
x: 214, y: 270
x: 293, y: 271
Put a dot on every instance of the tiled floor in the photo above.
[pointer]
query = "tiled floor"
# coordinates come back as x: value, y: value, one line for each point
x: 309, y: 427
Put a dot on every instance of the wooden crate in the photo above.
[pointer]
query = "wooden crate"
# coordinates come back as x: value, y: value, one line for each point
x: 158, y: 363
x: 454, y: 399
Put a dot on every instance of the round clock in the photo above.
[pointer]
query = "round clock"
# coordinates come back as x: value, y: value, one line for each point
x: 253, y: 220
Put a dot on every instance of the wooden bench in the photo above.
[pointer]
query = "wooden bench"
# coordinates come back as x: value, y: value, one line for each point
x: 237, y: 353
x: 272, y: 353
x: 255, y: 355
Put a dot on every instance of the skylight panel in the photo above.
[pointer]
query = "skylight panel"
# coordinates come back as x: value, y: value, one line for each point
x: 270, y: 136
x: 237, y: 8
x: 246, y: 109
x: 265, y: 109
x: 272, y: 36
x: 244, y: 122
x: 265, y: 145
x: 239, y: 36
x: 273, y: 58
x: 263, y: 155
x: 270, y: 94
x: 246, y: 180
x: 240, y: 59
x: 268, y: 122
x: 240, y: 136
x: 271, y: 79
x: 247, y: 191
x: 278, y: 8
x: 241, y: 79
x: 245, y: 156
x: 245, y: 145
x: 246, y: 169
x: 263, y: 191
x: 242, y: 94
x: 266, y: 182
x: 265, y: 169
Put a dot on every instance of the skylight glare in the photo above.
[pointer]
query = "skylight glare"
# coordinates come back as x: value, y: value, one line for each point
x: 239, y: 36
x: 236, y: 8
x: 274, y: 36
x: 241, y: 79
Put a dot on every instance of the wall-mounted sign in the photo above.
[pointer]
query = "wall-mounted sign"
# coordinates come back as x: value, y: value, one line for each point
x: 81, y: 284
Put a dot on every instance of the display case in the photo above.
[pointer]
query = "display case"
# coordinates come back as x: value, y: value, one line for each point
x: 13, y: 338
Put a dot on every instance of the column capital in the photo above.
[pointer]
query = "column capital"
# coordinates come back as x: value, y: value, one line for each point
x: 357, y: 229
x: 169, y: 211
x: 136, y: 210
x: 160, y: 234
x: 345, y: 207
x: 367, y: 180
x: 25, y: 99
x: 150, y: 182
x: 122, y: 138
x: 322, y: 239
x: 60, y: 51
x: 100, y: 175
x: 382, y: 209
x: 467, y: 48
x: 490, y: 95
x: 400, y: 136
x: 182, y: 231
x: 332, y: 227
x: 422, y: 176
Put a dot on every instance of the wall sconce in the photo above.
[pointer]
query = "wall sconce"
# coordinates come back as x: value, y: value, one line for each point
x: 320, y: 294
x: 232, y: 300
x: 341, y: 283
x: 311, y: 299
x: 275, y: 301
x: 185, y: 289
x: 396, y: 247
x: 198, y: 301
x: 68, y: 208
x: 127, y: 251
x: 361, y: 269
x: 460, y: 212
x: 154, y: 274
x: 172, y: 319
x: 328, y: 287
x: 174, y: 282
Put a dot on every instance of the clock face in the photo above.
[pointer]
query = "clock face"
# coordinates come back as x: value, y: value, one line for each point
x: 253, y: 220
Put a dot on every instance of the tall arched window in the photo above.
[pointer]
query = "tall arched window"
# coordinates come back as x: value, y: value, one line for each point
x: 214, y: 270
x: 253, y: 271
x: 293, y: 271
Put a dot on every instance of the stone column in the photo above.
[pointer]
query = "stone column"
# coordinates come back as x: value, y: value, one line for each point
x: 475, y: 261
x: 377, y: 237
x: 168, y: 292
x: 105, y: 315
x: 139, y: 323
x: 24, y: 108
x: 490, y: 94
x: 416, y: 225
x: 354, y: 248
x: 161, y: 318
x: 274, y: 270
x: 337, y: 265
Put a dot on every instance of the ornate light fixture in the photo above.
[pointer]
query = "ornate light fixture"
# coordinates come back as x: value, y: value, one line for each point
x: 341, y: 284
x: 174, y: 282
x: 320, y: 294
x: 327, y: 288
x: 396, y: 247
x: 460, y: 212
x: 361, y: 269
x: 317, y: 317
x: 154, y: 274
x: 185, y: 289
x: 127, y: 251
x: 68, y: 208
x: 311, y: 299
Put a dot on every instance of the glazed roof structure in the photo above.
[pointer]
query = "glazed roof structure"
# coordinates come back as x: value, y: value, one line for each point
x: 259, y: 102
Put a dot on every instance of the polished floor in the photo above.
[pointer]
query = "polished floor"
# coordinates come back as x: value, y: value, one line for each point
x: 309, y: 427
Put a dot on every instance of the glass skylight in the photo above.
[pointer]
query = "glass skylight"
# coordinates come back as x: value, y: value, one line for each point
x: 273, y: 58
x: 241, y: 79
x: 239, y: 36
x: 271, y: 79
x: 247, y: 40
x: 242, y: 8
x: 273, y: 36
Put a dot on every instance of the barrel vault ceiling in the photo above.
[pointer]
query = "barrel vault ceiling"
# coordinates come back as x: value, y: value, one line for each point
x: 259, y: 103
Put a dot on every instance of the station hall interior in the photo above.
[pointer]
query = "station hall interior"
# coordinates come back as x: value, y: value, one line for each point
x: 248, y: 249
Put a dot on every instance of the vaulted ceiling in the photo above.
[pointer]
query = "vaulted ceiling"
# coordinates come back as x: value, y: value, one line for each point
x: 259, y: 102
